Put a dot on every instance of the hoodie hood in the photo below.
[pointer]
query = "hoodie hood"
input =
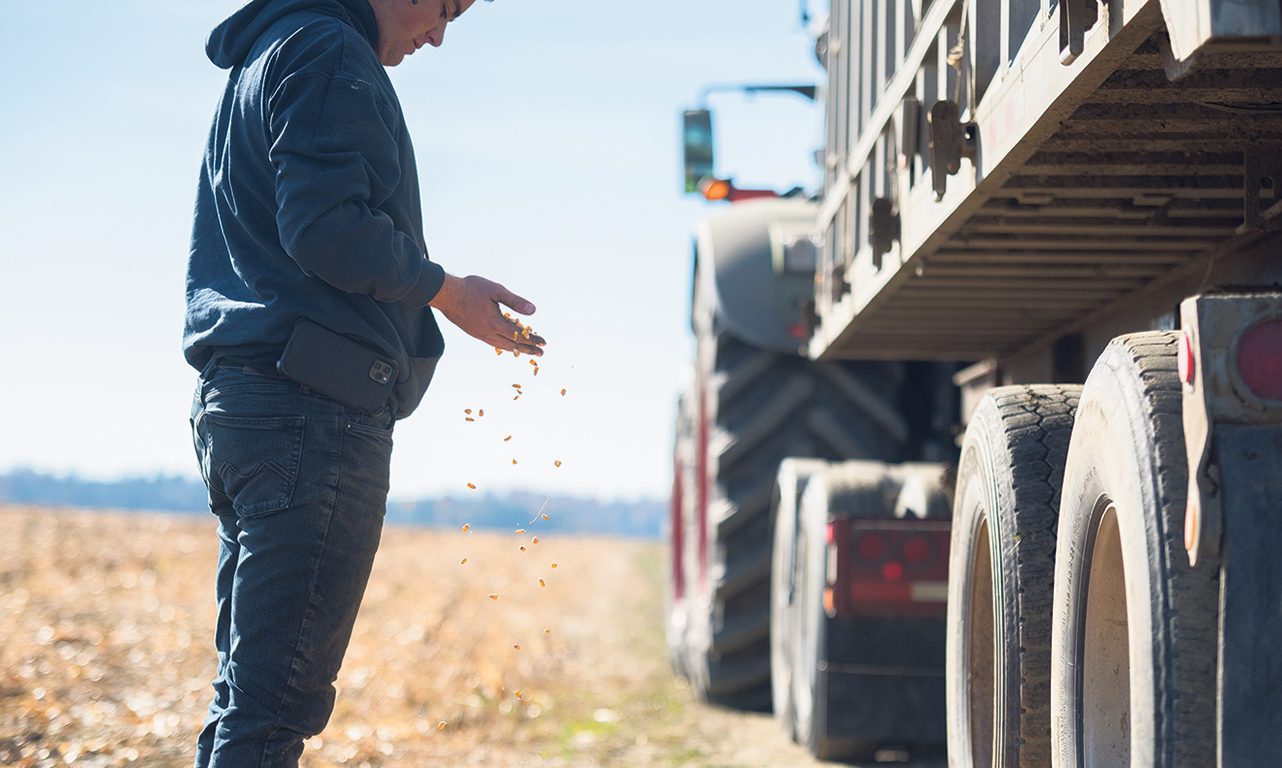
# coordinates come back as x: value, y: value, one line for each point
x: 231, y: 41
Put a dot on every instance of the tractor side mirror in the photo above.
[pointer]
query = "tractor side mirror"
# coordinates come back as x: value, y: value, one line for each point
x: 696, y: 137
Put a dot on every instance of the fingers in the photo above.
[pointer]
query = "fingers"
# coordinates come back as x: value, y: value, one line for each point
x: 509, y: 299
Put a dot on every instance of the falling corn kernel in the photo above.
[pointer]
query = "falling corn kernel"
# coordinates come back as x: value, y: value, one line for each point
x: 515, y: 335
x: 467, y: 527
x: 516, y: 353
x: 556, y: 463
x: 493, y: 596
x: 498, y: 351
x: 522, y: 547
x: 545, y: 517
x: 547, y: 630
x: 468, y: 418
x: 542, y: 583
x: 536, y: 371
x: 562, y: 392
x: 554, y: 565
x: 518, y: 694
x: 508, y: 315
x: 509, y: 437
x: 513, y: 462
x: 516, y: 646
x: 534, y: 540
x: 463, y: 561
x: 534, y: 363
x: 480, y: 413
x: 520, y: 530
x: 516, y: 386
x: 440, y: 726
x: 468, y: 411
x: 472, y: 486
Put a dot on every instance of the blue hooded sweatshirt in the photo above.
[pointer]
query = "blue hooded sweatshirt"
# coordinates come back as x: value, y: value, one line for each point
x: 308, y: 205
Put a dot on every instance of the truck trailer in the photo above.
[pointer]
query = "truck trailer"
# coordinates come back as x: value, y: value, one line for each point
x: 983, y: 438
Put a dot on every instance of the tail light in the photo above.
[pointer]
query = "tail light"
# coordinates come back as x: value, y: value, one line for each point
x: 1259, y: 359
x: 887, y: 567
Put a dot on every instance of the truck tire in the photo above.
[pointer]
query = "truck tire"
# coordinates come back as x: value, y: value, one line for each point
x: 1001, y: 560
x: 1133, y: 665
x: 864, y: 489
x: 790, y: 484
x: 766, y: 407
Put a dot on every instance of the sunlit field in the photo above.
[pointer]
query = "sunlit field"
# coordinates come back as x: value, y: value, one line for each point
x: 106, y: 625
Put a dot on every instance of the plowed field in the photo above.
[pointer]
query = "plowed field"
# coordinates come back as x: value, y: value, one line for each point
x: 106, y: 626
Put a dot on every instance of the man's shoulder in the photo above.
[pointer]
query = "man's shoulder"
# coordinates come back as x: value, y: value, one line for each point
x: 308, y: 42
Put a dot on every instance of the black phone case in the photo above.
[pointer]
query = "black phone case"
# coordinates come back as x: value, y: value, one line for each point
x: 337, y: 367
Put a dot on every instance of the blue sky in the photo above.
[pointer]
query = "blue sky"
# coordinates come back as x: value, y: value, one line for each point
x: 548, y: 147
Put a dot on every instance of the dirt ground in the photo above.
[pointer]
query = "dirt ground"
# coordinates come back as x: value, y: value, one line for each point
x: 106, y: 626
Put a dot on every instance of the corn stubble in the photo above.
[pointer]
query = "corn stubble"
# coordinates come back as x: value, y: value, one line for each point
x: 108, y: 620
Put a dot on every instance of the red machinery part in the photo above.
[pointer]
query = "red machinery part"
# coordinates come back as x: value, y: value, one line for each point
x: 1259, y: 359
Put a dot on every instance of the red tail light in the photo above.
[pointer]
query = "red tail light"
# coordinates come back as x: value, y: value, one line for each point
x: 870, y: 546
x: 889, y: 567
x: 1259, y: 359
x: 917, y: 550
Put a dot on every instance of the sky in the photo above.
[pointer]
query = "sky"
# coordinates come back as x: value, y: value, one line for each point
x: 547, y: 137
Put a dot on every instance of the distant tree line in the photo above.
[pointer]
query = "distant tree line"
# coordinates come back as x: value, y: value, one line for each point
x: 642, y: 518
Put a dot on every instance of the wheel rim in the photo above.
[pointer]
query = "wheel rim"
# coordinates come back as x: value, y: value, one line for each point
x: 979, y: 651
x: 1105, y: 673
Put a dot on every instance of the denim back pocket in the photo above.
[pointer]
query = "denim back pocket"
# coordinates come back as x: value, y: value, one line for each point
x: 255, y: 460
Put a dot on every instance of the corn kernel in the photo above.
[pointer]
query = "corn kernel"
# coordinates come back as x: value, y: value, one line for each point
x: 545, y: 517
x: 554, y: 566
x: 518, y: 694
x: 516, y: 386
x: 480, y: 413
x: 493, y: 596
x: 520, y: 530
x: 472, y: 486
x: 440, y: 726
x: 468, y: 418
x: 547, y: 630
x: 514, y: 462
x: 536, y: 371
x: 509, y: 437
x: 522, y: 547
x: 467, y: 527
x: 557, y: 463
x: 542, y: 583
x: 516, y: 646
x: 463, y: 561
x: 498, y: 351
x: 468, y: 411
x: 534, y: 540
x: 562, y: 392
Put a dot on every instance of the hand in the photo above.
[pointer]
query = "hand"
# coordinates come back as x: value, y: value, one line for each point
x: 472, y: 304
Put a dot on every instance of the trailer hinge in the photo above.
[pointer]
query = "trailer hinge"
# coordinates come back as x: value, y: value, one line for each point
x: 883, y: 228
x: 1075, y: 17
x: 950, y: 141
x: 1262, y: 188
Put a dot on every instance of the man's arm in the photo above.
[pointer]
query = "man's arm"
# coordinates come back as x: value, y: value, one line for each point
x: 336, y: 158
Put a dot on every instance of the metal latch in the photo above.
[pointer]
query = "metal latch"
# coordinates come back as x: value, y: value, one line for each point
x: 1075, y: 17
x: 950, y: 141
x: 883, y: 228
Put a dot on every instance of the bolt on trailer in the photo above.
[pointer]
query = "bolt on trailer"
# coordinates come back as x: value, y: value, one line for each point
x: 1080, y: 202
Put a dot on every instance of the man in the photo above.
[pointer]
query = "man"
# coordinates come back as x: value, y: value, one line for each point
x: 308, y: 288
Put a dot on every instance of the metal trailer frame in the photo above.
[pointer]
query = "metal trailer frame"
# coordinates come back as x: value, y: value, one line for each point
x: 1067, y: 194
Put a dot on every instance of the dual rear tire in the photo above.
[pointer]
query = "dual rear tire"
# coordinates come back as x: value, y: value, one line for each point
x: 1113, y: 665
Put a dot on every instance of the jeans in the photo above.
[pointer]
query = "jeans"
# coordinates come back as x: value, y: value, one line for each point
x: 299, y: 484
